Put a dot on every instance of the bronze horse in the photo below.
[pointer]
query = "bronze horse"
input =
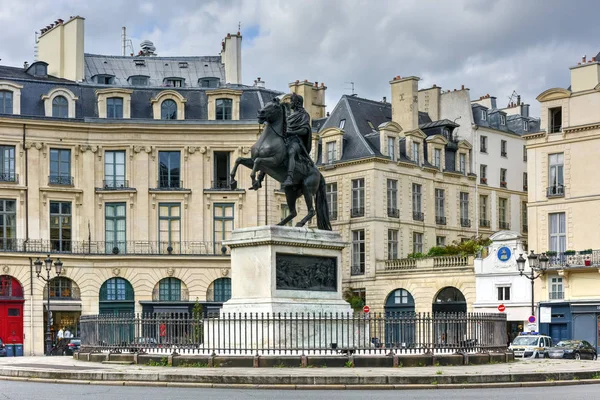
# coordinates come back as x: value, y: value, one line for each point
x: 269, y: 155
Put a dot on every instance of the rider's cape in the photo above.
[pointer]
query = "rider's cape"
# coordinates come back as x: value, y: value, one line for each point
x: 300, y: 120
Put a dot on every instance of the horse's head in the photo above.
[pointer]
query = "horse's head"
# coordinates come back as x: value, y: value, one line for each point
x: 271, y: 112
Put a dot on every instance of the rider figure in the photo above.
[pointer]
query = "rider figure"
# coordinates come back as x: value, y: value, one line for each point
x: 297, y: 136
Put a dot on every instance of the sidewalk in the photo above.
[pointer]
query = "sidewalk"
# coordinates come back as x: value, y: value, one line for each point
x: 520, y: 373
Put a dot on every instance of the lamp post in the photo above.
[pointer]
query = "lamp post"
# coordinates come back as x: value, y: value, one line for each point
x: 537, y: 264
x: 38, y: 270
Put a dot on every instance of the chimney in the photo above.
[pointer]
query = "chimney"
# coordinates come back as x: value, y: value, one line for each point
x: 314, y: 97
x: 25, y: 65
x: 258, y: 83
x: 62, y: 47
x: 384, y: 99
x: 525, y: 110
x: 231, y: 57
x: 405, y: 102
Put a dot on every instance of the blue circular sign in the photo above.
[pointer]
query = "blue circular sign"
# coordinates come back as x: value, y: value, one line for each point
x: 504, y: 254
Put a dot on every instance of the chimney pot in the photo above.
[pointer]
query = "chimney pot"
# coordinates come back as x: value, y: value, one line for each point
x: 328, y: 113
x: 322, y: 84
x: 259, y: 78
x: 384, y: 99
x: 578, y: 63
x: 316, y: 84
x: 229, y: 35
x: 589, y: 61
x: 594, y: 59
x: 306, y: 81
x: 462, y: 87
x: 297, y: 81
x: 583, y: 59
x: 434, y: 85
x: 455, y: 90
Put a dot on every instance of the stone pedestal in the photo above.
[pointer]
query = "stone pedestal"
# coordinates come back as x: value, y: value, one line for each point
x: 280, y: 269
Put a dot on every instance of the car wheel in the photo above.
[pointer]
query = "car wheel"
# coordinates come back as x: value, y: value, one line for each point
x: 577, y: 356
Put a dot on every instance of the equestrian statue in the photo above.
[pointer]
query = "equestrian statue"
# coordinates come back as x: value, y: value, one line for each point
x: 283, y: 152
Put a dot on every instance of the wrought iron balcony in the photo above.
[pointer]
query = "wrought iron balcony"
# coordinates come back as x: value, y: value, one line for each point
x: 357, y: 212
x: 440, y: 220
x: 393, y: 212
x: 221, y: 184
x: 9, y: 177
x: 503, y: 225
x: 333, y: 215
x: 503, y: 154
x: 418, y: 216
x: 115, y: 184
x: 169, y: 184
x: 357, y: 269
x: 503, y: 185
x: 111, y: 248
x: 465, y: 222
x: 60, y: 180
x: 483, y: 181
x: 555, y: 191
x: 484, y: 223
x: 556, y: 295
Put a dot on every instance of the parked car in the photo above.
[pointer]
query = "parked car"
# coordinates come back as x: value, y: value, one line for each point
x: 575, y: 349
x: 2, y: 349
x: 72, y: 347
x: 531, y: 344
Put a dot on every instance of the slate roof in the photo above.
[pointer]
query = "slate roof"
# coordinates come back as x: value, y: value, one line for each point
x: 514, y: 123
x: 156, y: 68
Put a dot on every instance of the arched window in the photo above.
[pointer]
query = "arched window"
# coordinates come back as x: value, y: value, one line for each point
x: 449, y: 294
x: 116, y: 289
x: 400, y: 297
x: 62, y: 288
x: 114, y: 107
x: 10, y: 288
x: 223, y: 109
x: 60, y: 107
x: 219, y: 290
x: 6, y: 102
x: 168, y: 109
x: 169, y: 289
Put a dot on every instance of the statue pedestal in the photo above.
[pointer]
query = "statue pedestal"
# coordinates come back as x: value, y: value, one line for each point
x: 280, y: 269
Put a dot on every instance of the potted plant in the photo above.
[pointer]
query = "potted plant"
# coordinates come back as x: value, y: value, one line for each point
x: 587, y: 257
x: 550, y: 253
x: 588, y: 251
x: 569, y: 252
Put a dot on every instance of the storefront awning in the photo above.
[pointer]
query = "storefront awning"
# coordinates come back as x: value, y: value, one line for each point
x: 64, y: 307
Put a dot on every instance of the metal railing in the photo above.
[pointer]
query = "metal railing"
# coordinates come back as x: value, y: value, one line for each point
x: 418, y: 216
x: 222, y: 184
x: 555, y: 191
x: 393, y: 212
x: 484, y: 223
x: 9, y: 177
x: 465, y: 222
x: 294, y: 333
x: 357, y: 212
x: 503, y: 184
x: 483, y: 181
x: 556, y: 295
x: 60, y: 180
x: 440, y: 220
x: 584, y: 258
x: 503, y: 225
x: 115, y: 184
x: 129, y: 247
x: 169, y: 184
x: 357, y: 269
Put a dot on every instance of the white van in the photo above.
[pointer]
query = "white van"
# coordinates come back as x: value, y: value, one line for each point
x: 531, y: 344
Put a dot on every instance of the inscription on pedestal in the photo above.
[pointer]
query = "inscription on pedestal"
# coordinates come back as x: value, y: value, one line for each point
x: 301, y: 272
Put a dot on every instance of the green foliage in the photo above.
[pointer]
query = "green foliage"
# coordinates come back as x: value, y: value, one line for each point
x: 468, y: 247
x: 416, y: 255
x: 349, y: 364
x: 569, y: 252
x: 588, y: 251
x: 439, y: 372
x: 164, y: 362
x: 194, y: 365
x: 356, y: 302
x: 437, y: 251
x: 198, y: 327
x: 550, y: 253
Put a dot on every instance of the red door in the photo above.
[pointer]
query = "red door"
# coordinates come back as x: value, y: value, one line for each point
x: 11, y: 310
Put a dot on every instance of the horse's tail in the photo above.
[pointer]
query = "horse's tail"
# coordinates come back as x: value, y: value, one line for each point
x: 322, y: 209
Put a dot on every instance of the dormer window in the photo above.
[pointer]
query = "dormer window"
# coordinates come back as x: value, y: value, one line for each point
x: 138, y: 80
x: 223, y: 109
x: 502, y: 119
x: 60, y: 107
x: 331, y: 151
x: 183, y: 64
x: 6, y: 102
x: 525, y: 126
x: 342, y: 124
x: 446, y: 133
x: 104, y: 79
x: 39, y: 69
x: 391, y: 144
x: 437, y: 158
x: 483, y: 115
x: 174, y: 82
x: 209, y: 83
x: 415, y: 150
x: 140, y: 62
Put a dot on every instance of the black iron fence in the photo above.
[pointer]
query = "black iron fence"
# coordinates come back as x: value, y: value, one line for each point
x: 294, y: 333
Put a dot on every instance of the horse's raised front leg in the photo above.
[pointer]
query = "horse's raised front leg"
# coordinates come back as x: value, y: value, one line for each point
x: 247, y: 162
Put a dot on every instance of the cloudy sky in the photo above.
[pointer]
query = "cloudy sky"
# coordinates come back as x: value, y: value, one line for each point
x: 492, y: 47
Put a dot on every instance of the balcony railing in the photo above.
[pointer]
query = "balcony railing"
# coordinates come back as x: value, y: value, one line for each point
x: 9, y: 177
x: 357, y: 212
x: 393, y: 212
x: 418, y: 216
x: 440, y: 220
x: 357, y: 269
x: 585, y: 258
x: 503, y: 184
x: 483, y: 181
x: 484, y: 223
x: 115, y: 184
x: 503, y: 225
x: 181, y: 295
x: 556, y: 295
x: 555, y: 191
x: 503, y: 154
x: 169, y: 184
x: 465, y: 223
x: 221, y: 184
x: 60, y: 180
x: 333, y: 215
x: 455, y: 261
x: 130, y: 247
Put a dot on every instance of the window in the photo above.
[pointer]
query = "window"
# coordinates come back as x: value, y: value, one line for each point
x: 114, y: 107
x: 7, y: 164
x: 6, y: 102
x: 392, y: 244
x: 417, y: 242
x: 174, y: 82
x: 416, y: 156
x: 222, y: 224
x: 503, y: 177
x: 446, y: 133
x: 392, y: 198
x: 525, y: 181
x: 358, y: 252
x: 105, y: 79
x: 169, y: 289
x: 440, y: 206
x: 331, y: 152
x: 358, y: 197
x: 332, y: 199
x: 462, y: 163
x: 169, y: 169
x: 221, y: 290
x: 210, y: 83
x: 483, y: 115
x: 62, y: 288
x: 116, y: 289
x: 168, y: 109
x: 223, y: 109
x: 342, y: 124
x: 524, y: 153
x: 437, y: 158
x: 114, y: 228
x: 169, y: 228
x: 285, y: 212
x: 503, y: 148
x: 483, y: 144
x: 556, y: 182
x: 555, y: 119
x: 483, y: 174
x: 502, y: 210
x: 416, y: 202
x: 391, y: 143
x: 60, y: 225
x: 138, y: 80
x: 558, y: 232
x: 464, y: 209
x: 524, y: 215
x: 60, y: 167
x: 483, y: 211
x: 222, y: 178
x: 503, y: 293
x: 556, y: 288
x: 440, y: 241
x: 502, y: 119
x: 525, y: 126
x: 114, y: 170
x: 8, y: 224
x: 40, y: 70
x: 60, y: 107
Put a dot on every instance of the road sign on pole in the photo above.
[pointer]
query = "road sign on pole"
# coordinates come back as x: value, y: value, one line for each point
x: 532, y: 319
x: 501, y: 308
x: 366, y: 309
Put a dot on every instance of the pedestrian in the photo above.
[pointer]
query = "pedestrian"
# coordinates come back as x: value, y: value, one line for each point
x: 68, y: 334
x: 61, y: 334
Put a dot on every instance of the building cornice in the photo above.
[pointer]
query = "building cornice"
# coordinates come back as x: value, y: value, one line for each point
x: 581, y: 128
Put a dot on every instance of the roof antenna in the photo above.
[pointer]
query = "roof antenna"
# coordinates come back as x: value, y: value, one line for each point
x: 240, y: 26
x: 352, y: 84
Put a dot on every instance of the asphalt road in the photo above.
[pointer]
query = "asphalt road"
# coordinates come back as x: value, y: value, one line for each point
x: 50, y: 391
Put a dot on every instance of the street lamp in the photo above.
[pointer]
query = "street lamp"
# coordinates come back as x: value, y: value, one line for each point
x: 38, y: 270
x: 536, y: 263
